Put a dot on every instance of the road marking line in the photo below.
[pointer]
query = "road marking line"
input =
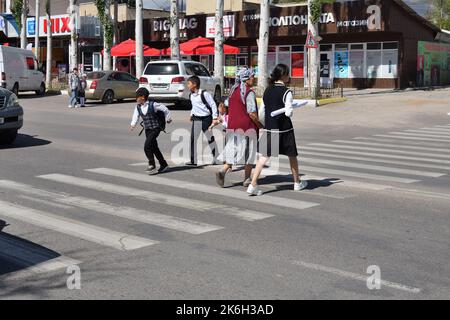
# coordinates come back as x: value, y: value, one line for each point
x: 409, y: 138
x: 117, y: 240
x: 144, y: 216
x: 431, y: 132
x: 419, y: 135
x: 370, y: 154
x: 393, y: 146
x: 185, y: 203
x: 46, y: 202
x: 354, y: 276
x: 276, y: 201
x: 428, y: 155
x: 404, y: 142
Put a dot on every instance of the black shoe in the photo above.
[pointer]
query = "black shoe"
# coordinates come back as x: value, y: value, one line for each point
x: 150, y: 168
x: 191, y: 164
x: 163, y: 169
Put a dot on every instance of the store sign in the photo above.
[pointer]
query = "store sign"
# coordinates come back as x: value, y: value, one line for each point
x: 228, y: 26
x: 60, y: 25
x: 164, y: 25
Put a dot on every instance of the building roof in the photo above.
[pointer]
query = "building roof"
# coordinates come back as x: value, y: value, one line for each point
x: 417, y: 16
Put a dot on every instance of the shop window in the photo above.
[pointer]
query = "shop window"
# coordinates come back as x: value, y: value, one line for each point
x: 341, y: 47
x: 326, y: 47
x: 297, y: 64
x: 341, y: 64
x: 242, y: 60
x: 389, y: 63
x: 356, y: 64
x: 298, y: 48
x: 357, y: 46
x: 243, y: 49
x: 284, y: 56
x: 30, y: 63
x: 390, y: 45
x: 374, y: 46
x: 231, y: 63
x: 373, y: 62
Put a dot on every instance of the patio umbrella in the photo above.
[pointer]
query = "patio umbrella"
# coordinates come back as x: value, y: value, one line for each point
x: 152, y: 52
x: 125, y: 49
x: 201, y: 45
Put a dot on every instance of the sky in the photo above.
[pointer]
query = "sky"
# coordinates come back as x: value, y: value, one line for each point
x: 421, y: 6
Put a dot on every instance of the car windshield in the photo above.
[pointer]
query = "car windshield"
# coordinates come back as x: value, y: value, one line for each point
x: 162, y: 69
x: 95, y: 75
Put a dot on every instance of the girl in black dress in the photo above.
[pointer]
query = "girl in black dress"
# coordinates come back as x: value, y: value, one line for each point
x: 278, y: 96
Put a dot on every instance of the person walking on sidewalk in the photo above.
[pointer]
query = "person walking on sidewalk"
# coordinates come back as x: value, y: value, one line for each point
x: 74, y: 83
x: 203, y: 115
x: 82, y: 90
x: 279, y: 129
x: 154, y: 116
x: 243, y: 126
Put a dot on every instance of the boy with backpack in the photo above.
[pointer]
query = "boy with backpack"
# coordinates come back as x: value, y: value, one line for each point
x: 203, y: 115
x: 154, y: 117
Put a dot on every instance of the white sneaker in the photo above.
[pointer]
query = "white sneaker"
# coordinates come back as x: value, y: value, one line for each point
x: 254, y: 191
x: 301, y: 185
x: 70, y: 106
x: 247, y: 182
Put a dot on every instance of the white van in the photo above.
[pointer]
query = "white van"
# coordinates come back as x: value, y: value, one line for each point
x: 19, y: 71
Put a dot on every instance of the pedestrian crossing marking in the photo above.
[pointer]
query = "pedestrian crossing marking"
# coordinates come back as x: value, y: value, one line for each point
x: 431, y: 132
x: 393, y: 146
x: 106, y: 237
x: 406, y: 142
x: 144, y: 216
x: 409, y: 138
x: 181, y: 202
x: 420, y: 135
x: 276, y: 201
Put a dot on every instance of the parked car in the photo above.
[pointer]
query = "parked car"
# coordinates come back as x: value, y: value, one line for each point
x: 108, y: 86
x: 19, y: 71
x: 166, y: 80
x: 11, y: 116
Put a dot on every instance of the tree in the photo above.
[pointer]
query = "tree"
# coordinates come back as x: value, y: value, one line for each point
x: 48, y: 69
x: 219, y: 39
x: 36, y: 31
x: 23, y: 23
x: 439, y: 14
x: 104, y: 9
x: 174, y: 31
x: 73, y: 35
x: 139, y: 39
x: 263, y: 46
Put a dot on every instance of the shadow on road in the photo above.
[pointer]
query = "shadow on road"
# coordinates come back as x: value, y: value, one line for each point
x: 26, y: 141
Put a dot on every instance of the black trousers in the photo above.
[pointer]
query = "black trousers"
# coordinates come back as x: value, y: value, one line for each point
x: 151, y: 147
x: 202, y: 124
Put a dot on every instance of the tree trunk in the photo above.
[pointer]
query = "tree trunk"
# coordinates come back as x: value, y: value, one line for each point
x: 73, y: 36
x: 139, y: 39
x: 115, y: 22
x: 48, y: 69
x: 263, y: 46
x: 174, y: 31
x: 219, y: 39
x: 313, y: 59
x: 23, y: 21
x: 106, y: 41
x: 37, y: 47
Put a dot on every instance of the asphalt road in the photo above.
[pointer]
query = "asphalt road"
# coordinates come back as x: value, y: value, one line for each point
x: 73, y: 191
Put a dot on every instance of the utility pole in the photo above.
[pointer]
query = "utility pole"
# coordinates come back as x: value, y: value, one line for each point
x: 174, y: 31
x: 263, y: 46
x: 313, y: 56
x: 73, y: 36
x: 139, y: 39
x: 48, y: 69
x: 37, y: 47
x: 219, y: 39
x: 23, y: 21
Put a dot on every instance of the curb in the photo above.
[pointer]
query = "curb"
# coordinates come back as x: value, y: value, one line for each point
x: 323, y: 102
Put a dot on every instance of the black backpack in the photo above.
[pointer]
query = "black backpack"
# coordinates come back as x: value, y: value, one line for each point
x: 159, y: 114
x: 202, y: 95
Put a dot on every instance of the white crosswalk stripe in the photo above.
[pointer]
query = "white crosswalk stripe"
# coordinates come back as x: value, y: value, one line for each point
x: 414, y: 153
x: 444, y: 150
x: 106, y: 237
x: 144, y: 216
x: 164, y: 198
x: 431, y: 132
x: 406, y: 142
x: 420, y: 135
x: 409, y: 137
x: 283, y: 202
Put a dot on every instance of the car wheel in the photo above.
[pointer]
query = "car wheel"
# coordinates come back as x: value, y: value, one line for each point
x: 8, y: 136
x: 15, y: 89
x: 41, y: 90
x: 108, y: 97
x: 218, y: 94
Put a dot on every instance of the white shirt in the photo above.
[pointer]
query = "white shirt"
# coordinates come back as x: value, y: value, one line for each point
x: 144, y: 109
x: 288, y: 101
x: 198, y: 107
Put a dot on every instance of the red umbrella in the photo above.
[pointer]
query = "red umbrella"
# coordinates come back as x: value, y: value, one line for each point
x: 125, y: 49
x: 152, y: 52
x: 201, y: 46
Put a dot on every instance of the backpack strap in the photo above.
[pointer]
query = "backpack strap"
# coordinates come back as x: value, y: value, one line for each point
x: 205, y: 102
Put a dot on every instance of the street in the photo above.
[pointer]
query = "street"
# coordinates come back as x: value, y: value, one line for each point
x: 74, y: 192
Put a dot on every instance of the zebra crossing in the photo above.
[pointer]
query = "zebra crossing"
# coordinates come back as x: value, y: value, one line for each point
x: 358, y: 164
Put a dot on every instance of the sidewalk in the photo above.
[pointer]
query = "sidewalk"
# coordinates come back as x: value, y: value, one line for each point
x: 353, y: 92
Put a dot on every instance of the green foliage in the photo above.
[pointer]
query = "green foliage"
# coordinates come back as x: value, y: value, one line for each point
x: 439, y: 14
x: 106, y: 22
x: 16, y: 10
x: 316, y: 9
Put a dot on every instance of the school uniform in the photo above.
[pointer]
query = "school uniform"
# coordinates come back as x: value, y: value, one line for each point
x: 276, y: 97
x: 152, y: 128
x: 204, y: 110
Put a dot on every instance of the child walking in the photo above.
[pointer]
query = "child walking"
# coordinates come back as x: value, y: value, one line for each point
x: 153, y: 114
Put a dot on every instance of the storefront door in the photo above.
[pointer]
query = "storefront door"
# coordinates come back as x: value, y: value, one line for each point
x: 326, y: 79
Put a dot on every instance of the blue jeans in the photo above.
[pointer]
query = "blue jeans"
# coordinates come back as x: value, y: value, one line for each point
x: 73, y: 97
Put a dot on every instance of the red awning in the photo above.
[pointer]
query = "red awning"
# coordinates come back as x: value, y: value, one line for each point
x: 152, y: 52
x: 125, y: 49
x: 201, y: 46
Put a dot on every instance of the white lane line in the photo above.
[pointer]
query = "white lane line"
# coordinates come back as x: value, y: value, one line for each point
x: 370, y: 167
x: 45, y: 202
x: 144, y: 216
x: 447, y: 126
x: 276, y: 201
x: 403, y: 163
x: 393, y: 146
x: 33, y: 258
x: 164, y: 198
x: 436, y: 130
x: 354, y: 276
x: 420, y: 135
x: 436, y: 133
x: 106, y: 237
x: 357, y: 174
x: 405, y: 142
x: 413, y: 153
x: 409, y: 138
x: 379, y: 155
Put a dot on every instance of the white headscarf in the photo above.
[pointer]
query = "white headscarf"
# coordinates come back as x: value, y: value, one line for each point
x: 242, y: 76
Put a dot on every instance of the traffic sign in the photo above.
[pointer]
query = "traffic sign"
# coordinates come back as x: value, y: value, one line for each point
x: 311, y: 42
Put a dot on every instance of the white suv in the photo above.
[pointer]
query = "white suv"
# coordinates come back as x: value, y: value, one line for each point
x: 167, y: 80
